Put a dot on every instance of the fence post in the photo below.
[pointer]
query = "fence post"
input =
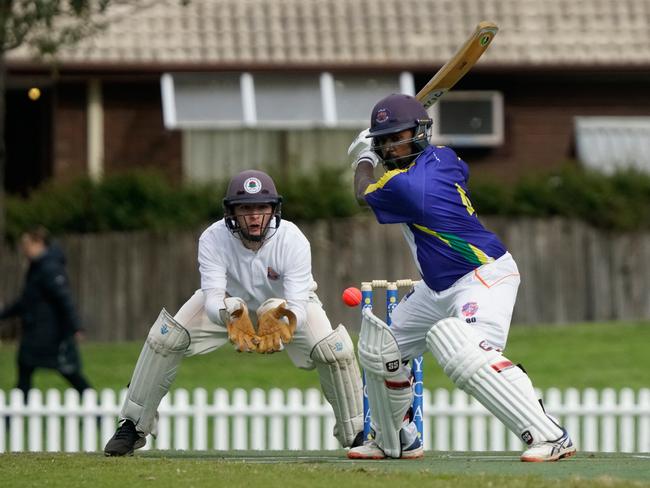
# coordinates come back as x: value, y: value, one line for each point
x: 644, y: 420
x: 459, y: 432
x: 276, y: 422
x: 258, y: 434
x: 35, y: 421
x: 626, y: 402
x: 313, y: 434
x: 294, y: 424
x: 200, y: 419
x: 221, y: 431
x: 589, y: 404
x: 90, y: 420
x: 441, y: 409
x: 608, y: 405
x: 239, y: 422
x: 164, y: 436
x: 478, y: 425
x: 53, y: 423
x: 108, y: 409
x: 71, y: 421
x: 180, y: 410
x: 16, y: 422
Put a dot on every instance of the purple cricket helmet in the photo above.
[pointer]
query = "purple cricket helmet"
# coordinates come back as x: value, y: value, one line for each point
x: 251, y: 187
x: 392, y: 115
x: 395, y: 113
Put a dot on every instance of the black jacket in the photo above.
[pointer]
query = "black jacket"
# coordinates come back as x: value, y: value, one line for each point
x: 49, y: 319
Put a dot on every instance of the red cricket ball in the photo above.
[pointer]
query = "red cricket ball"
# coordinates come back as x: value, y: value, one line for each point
x: 351, y: 296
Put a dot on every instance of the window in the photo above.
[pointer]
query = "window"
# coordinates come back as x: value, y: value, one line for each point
x: 468, y: 118
x: 230, y: 100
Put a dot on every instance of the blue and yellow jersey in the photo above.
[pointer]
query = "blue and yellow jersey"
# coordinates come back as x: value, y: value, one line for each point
x: 431, y: 199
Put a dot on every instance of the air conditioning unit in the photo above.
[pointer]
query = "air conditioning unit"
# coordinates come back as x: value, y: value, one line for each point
x: 468, y: 118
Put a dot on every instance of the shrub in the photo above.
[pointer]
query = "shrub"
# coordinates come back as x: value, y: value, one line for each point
x: 146, y: 200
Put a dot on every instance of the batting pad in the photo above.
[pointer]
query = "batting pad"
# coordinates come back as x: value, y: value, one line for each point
x: 501, y: 387
x: 388, y: 382
x: 155, y: 370
x: 340, y: 380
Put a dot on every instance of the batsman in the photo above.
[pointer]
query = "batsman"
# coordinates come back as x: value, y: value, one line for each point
x: 257, y: 291
x: 461, y: 309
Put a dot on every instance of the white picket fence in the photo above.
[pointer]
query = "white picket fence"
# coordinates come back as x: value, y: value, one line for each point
x: 607, y: 420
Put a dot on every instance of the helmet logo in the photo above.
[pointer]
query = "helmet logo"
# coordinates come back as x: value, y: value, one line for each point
x: 252, y: 185
x: 383, y: 114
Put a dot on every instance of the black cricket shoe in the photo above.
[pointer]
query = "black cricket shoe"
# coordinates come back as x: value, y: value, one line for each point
x: 125, y: 440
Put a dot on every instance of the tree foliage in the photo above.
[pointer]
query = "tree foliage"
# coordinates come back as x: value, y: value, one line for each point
x: 43, y: 26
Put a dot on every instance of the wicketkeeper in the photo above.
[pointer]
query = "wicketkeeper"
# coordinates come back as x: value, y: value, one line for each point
x: 257, y: 291
x: 461, y: 309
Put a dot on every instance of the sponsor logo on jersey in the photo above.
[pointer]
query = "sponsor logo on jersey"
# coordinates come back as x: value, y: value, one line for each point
x: 252, y: 185
x: 272, y: 274
x: 469, y: 309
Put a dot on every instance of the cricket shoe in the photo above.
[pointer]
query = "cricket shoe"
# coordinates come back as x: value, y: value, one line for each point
x: 550, y: 450
x: 358, y: 440
x: 371, y: 450
x: 125, y: 440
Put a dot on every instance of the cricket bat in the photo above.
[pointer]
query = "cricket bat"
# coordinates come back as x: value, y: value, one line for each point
x: 459, y: 65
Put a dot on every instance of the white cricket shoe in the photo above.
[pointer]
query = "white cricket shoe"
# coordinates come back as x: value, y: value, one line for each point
x: 550, y: 450
x: 371, y: 450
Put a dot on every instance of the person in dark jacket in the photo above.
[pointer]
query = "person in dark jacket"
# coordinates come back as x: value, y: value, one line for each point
x: 50, y: 324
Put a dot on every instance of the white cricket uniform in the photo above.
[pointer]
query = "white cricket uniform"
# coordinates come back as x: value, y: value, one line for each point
x: 281, y: 268
x: 483, y: 298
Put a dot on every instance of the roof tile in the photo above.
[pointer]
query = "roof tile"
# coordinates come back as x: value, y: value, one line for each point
x: 366, y: 32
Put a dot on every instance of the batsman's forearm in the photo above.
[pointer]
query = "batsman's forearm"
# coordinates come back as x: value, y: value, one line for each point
x: 363, y: 177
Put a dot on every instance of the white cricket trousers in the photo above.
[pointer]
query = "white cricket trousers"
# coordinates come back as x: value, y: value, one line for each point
x: 483, y: 298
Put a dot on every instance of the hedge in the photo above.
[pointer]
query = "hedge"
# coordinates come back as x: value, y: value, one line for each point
x: 146, y: 200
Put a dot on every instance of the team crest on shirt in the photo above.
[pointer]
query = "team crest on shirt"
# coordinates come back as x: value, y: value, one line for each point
x: 272, y: 274
x: 469, y: 309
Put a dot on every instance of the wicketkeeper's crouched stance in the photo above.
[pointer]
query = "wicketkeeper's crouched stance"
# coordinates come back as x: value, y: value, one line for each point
x: 246, y: 261
x: 460, y: 311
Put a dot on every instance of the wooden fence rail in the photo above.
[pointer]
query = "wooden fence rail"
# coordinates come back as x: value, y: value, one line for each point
x: 570, y: 271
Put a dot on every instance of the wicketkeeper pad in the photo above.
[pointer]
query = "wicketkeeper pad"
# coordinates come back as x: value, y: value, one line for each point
x: 340, y: 380
x: 155, y: 370
x: 388, y: 382
x: 501, y: 387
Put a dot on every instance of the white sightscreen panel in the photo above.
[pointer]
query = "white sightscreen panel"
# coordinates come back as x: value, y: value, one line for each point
x: 288, y: 99
x: 357, y: 94
x: 206, y: 98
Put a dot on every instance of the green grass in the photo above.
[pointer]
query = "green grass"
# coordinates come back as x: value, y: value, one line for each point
x: 595, y: 355
x: 320, y: 469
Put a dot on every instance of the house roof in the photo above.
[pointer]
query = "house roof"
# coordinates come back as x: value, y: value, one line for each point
x: 365, y: 33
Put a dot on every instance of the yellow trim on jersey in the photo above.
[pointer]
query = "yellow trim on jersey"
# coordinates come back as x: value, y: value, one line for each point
x: 470, y: 252
x: 433, y: 233
x: 384, y: 179
x: 482, y: 257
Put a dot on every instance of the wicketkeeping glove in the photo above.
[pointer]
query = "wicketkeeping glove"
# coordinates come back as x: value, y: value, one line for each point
x: 276, y: 325
x: 240, y: 329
